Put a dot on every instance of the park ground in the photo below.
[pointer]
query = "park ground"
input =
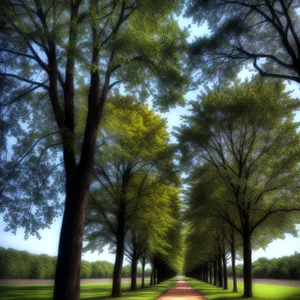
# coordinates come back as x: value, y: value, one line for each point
x: 93, y: 291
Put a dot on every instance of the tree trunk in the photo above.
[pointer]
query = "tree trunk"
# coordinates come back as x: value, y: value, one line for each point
x: 143, y: 271
x: 247, y: 251
x: 152, y: 276
x: 117, y: 273
x: 233, y: 254
x: 225, y: 277
x: 67, y: 275
x: 78, y: 177
x: 210, y: 274
x: 134, y: 263
x: 215, y: 272
x: 220, y: 272
x: 158, y: 274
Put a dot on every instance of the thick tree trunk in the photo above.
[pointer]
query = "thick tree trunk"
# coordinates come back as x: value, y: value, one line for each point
x: 247, y: 251
x: 143, y: 272
x: 67, y: 276
x: 233, y: 254
x: 215, y: 272
x: 134, y: 263
x: 78, y: 175
x: 220, y: 272
x: 225, y: 277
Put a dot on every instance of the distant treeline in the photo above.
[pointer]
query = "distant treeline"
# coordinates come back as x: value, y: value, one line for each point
x: 15, y: 264
x: 286, y: 267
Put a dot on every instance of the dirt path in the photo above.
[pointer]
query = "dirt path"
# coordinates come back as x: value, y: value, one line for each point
x: 181, y: 291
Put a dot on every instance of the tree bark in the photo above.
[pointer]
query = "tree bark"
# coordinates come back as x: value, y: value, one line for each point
x: 215, y: 272
x: 220, y: 272
x: 117, y: 273
x: 158, y: 274
x: 152, y: 276
x: 134, y: 263
x: 247, y: 251
x: 225, y: 277
x: 233, y: 255
x: 143, y: 271
x: 67, y: 275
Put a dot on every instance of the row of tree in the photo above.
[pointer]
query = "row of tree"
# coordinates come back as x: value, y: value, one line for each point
x: 243, y: 144
x: 56, y: 55
x: 60, y: 63
x: 134, y: 205
x: 286, y: 267
x: 15, y: 264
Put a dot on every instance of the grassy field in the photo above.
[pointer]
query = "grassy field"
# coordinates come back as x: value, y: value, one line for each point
x: 260, y: 291
x: 88, y: 291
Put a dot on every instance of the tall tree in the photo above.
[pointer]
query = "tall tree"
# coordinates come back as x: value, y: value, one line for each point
x: 247, y: 136
x: 262, y: 32
x: 131, y: 187
x: 55, y: 47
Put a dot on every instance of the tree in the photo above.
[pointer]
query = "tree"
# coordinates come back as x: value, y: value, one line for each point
x: 133, y: 182
x: 247, y: 136
x: 262, y: 32
x: 54, y: 48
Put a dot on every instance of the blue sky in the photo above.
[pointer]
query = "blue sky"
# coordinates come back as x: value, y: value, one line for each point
x: 48, y: 244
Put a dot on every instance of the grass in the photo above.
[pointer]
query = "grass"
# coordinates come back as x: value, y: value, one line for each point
x: 95, y: 291
x: 260, y: 291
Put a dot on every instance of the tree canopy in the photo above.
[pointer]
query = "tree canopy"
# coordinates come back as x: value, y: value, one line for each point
x: 263, y: 33
x: 243, y: 141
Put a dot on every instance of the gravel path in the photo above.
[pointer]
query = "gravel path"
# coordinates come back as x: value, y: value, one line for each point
x: 181, y: 291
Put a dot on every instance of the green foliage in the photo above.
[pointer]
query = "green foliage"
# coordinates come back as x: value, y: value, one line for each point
x: 135, y: 176
x: 51, y: 48
x: 101, y: 269
x: 16, y: 264
x: 263, y: 33
x: 86, y: 269
x: 286, y: 267
x: 23, y: 265
x: 246, y: 136
x: 244, y: 148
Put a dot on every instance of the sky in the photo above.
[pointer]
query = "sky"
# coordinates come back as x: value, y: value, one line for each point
x: 48, y: 244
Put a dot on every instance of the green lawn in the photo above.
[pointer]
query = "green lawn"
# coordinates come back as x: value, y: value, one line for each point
x: 94, y: 291
x: 260, y: 291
